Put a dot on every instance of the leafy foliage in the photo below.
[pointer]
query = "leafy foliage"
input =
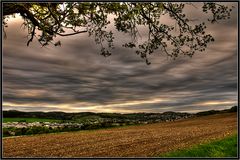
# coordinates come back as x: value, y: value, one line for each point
x: 65, y: 19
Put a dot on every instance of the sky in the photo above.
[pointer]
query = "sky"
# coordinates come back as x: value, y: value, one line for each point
x: 74, y: 77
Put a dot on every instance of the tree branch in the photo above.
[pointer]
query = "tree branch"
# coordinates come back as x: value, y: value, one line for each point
x: 69, y: 34
x: 177, y: 16
x: 32, y: 35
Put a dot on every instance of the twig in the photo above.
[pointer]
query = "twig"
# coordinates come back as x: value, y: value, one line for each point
x: 69, y: 34
x: 32, y: 35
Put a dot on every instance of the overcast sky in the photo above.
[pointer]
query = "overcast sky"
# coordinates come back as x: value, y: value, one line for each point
x: 75, y: 78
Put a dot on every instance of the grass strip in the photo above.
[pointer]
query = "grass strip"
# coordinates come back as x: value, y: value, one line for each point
x: 226, y: 147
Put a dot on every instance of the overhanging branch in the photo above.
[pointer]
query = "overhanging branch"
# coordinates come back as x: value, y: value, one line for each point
x: 69, y: 34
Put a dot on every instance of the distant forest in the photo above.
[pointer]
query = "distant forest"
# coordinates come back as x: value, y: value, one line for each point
x: 73, y: 116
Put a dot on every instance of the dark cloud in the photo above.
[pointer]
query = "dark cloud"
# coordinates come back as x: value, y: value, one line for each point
x: 75, y: 77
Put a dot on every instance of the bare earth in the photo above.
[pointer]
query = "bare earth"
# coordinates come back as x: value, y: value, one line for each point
x: 134, y: 141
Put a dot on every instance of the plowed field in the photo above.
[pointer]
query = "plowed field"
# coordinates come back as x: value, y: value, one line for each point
x: 134, y: 141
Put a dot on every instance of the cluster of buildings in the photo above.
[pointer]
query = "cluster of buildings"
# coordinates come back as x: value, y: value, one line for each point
x: 168, y: 116
x: 40, y: 124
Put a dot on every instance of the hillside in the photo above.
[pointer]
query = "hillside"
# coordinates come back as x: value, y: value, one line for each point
x: 82, y: 116
x: 133, y: 141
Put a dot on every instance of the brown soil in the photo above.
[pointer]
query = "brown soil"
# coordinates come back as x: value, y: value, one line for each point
x: 134, y: 141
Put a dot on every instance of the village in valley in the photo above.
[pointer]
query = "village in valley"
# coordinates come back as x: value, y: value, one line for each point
x: 88, y: 121
x: 50, y: 122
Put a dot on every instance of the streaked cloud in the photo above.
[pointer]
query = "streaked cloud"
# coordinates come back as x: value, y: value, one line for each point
x: 75, y: 78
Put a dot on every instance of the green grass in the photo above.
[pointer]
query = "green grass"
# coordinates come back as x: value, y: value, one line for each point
x: 29, y: 120
x: 226, y: 147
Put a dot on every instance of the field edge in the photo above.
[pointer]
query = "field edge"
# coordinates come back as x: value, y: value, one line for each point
x: 226, y: 147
